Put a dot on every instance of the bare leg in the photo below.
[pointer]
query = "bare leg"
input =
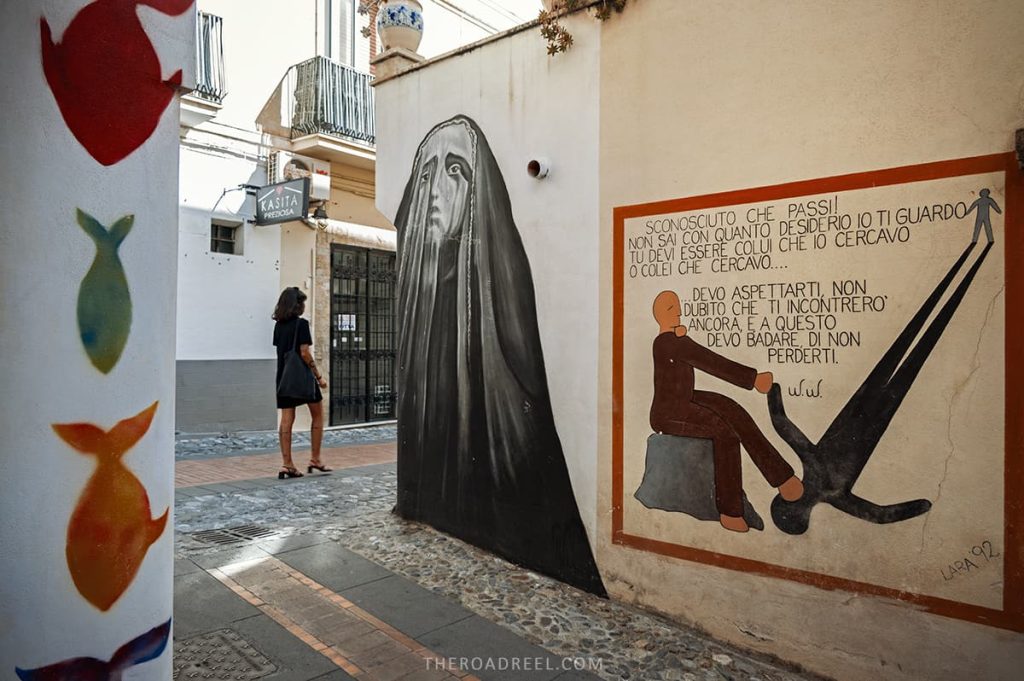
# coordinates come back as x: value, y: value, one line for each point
x: 284, y: 432
x: 316, y: 430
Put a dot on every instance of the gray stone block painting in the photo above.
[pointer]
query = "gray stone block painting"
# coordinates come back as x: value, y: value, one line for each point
x: 680, y: 477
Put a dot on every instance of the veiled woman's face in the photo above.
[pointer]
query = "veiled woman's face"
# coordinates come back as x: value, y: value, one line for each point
x: 446, y: 170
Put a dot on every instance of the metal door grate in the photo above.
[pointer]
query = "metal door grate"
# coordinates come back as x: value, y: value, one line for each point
x: 362, y: 335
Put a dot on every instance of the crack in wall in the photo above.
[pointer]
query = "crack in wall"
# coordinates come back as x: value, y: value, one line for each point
x: 953, y: 399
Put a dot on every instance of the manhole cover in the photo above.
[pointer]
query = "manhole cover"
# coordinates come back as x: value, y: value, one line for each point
x: 233, y: 535
x: 221, y: 654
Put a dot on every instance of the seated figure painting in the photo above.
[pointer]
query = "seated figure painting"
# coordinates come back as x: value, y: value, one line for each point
x: 678, y: 409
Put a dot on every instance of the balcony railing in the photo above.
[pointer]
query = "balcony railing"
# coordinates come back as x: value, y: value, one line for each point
x: 210, y: 82
x: 332, y: 99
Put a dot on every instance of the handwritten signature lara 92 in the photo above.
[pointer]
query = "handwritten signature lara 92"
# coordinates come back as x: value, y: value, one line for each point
x: 982, y: 553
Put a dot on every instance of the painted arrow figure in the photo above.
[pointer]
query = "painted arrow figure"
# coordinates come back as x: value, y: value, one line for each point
x: 834, y: 463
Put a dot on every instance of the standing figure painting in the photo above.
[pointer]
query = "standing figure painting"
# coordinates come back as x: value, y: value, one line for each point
x: 478, y: 453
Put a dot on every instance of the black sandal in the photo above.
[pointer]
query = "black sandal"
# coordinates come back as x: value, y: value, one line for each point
x: 288, y: 472
x: 322, y: 468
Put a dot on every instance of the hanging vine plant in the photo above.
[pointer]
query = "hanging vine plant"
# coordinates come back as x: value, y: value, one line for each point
x: 557, y: 36
x: 369, y: 7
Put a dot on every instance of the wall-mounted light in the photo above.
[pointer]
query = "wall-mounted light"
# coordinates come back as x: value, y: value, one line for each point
x: 538, y: 168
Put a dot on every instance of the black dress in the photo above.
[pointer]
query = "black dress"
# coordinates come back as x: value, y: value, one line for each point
x: 287, y: 338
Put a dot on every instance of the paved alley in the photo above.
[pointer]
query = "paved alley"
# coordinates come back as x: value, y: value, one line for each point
x: 315, y: 578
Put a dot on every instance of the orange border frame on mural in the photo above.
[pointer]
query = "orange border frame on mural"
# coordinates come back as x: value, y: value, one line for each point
x: 1012, y: 615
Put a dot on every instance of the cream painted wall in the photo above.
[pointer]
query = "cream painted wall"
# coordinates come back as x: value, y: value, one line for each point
x: 517, y: 96
x: 747, y: 96
x: 687, y: 101
x: 46, y: 375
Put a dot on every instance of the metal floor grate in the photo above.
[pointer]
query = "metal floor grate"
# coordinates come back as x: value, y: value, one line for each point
x: 219, y: 656
x: 233, y: 535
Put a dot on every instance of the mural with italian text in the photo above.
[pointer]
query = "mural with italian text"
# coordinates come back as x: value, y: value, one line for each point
x: 824, y: 362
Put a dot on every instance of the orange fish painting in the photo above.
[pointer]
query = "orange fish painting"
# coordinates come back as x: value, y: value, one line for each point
x: 110, y: 530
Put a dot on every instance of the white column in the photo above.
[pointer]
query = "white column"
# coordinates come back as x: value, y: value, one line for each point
x: 88, y: 240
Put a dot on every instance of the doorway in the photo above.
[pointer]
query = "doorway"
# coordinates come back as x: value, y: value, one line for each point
x: 363, y: 341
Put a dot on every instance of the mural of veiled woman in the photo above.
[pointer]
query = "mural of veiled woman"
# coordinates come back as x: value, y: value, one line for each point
x: 478, y: 453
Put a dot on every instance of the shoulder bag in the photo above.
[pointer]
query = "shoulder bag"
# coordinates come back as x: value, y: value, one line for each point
x: 297, y: 380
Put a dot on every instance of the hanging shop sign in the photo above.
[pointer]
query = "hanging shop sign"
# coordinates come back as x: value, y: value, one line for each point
x: 282, y: 202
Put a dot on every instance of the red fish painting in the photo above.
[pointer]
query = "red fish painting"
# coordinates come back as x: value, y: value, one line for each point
x: 111, y: 529
x: 106, y: 76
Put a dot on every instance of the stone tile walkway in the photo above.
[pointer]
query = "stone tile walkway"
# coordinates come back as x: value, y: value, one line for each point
x: 198, y: 446
x: 352, y: 638
x: 195, y: 472
x: 345, y: 589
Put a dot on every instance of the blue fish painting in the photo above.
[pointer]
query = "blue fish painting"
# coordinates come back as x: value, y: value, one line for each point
x: 144, y: 648
x: 104, y: 302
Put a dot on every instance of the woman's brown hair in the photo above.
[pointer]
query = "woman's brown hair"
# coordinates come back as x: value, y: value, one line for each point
x: 290, y: 305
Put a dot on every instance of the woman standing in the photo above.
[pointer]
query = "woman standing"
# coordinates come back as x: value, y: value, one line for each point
x: 291, y: 334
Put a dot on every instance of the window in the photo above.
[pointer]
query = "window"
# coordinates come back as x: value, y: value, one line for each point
x: 343, y: 39
x: 225, y: 237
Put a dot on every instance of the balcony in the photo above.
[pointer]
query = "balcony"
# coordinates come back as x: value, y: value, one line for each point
x: 326, y: 110
x: 205, y: 101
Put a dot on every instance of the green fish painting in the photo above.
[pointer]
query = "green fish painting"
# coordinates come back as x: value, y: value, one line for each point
x: 104, y: 303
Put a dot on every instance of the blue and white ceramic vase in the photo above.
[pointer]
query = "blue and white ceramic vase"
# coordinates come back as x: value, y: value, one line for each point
x: 400, y: 24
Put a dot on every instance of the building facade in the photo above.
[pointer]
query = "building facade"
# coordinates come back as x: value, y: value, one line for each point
x: 285, y: 94
x: 822, y: 208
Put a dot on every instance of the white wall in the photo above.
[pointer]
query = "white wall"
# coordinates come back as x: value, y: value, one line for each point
x: 518, y: 101
x: 46, y: 375
x: 224, y: 301
x: 689, y: 100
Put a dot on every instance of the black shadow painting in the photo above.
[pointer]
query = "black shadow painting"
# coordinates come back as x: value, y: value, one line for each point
x: 834, y: 463
x: 479, y: 456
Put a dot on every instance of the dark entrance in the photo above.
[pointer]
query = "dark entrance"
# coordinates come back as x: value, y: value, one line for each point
x: 362, y: 335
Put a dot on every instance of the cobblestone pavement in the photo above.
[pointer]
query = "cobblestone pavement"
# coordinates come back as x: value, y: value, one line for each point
x: 353, y: 508
x: 204, y: 446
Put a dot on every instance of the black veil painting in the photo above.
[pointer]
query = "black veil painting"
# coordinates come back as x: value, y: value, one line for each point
x: 478, y: 453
